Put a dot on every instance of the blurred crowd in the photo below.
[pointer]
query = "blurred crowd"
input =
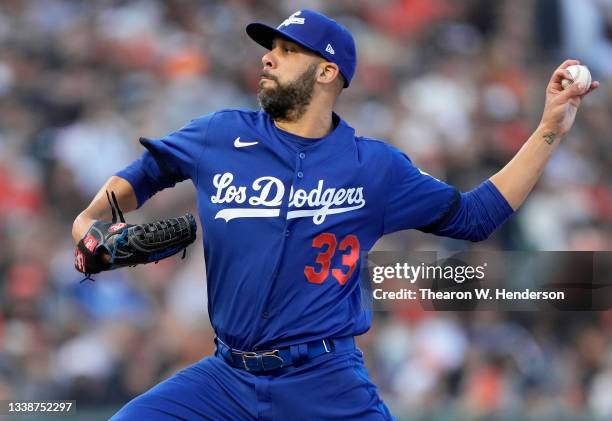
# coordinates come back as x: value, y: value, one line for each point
x: 457, y: 84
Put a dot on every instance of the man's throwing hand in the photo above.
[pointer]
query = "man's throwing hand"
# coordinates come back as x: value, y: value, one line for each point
x: 561, y: 105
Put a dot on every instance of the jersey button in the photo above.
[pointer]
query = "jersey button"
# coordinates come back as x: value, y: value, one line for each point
x: 300, y: 174
x: 265, y: 315
x: 287, y: 233
x: 302, y: 155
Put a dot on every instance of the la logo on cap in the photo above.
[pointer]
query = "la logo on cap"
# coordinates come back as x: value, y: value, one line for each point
x: 293, y: 19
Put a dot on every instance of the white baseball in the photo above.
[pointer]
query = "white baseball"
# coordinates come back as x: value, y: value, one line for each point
x: 580, y: 74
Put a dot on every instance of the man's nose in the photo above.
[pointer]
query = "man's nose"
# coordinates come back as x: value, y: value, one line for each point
x: 268, y: 60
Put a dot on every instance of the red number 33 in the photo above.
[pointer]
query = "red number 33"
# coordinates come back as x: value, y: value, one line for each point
x: 328, y: 241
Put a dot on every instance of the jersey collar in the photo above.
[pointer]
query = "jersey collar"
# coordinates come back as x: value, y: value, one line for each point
x: 338, y: 140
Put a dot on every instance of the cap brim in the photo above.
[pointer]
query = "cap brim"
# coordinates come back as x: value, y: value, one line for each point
x: 264, y: 34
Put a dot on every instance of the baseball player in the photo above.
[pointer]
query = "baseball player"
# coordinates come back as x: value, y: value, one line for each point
x: 289, y: 198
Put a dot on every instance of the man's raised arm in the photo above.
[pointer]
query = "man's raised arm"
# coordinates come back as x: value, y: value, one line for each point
x: 476, y: 214
x: 518, y: 177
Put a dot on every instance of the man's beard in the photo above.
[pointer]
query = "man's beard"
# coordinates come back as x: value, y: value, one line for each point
x: 288, y: 102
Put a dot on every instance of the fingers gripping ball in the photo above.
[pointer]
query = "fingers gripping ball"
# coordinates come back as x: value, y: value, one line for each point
x: 579, y: 74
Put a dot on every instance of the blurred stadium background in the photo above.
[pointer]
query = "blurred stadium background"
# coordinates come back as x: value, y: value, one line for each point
x: 457, y: 84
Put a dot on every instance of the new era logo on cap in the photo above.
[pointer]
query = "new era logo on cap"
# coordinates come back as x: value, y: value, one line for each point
x: 315, y: 32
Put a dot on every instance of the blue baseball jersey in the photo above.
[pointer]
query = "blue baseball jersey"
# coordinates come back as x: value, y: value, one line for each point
x: 285, y: 220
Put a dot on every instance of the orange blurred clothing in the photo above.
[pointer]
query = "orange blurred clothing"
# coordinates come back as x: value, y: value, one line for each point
x: 484, y: 389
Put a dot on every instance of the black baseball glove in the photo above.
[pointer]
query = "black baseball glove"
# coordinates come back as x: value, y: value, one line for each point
x: 111, y: 245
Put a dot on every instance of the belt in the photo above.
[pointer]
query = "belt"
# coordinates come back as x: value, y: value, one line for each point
x: 294, y: 355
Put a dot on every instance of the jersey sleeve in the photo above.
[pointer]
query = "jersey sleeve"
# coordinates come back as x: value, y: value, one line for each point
x: 415, y: 199
x: 168, y: 160
x: 481, y: 211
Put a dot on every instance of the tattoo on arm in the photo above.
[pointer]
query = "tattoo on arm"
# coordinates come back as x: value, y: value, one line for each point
x: 549, y: 137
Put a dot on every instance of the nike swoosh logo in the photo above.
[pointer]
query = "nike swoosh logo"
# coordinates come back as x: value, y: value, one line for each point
x: 239, y: 144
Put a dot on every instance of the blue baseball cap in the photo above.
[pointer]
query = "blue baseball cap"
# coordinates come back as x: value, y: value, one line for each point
x: 316, y: 32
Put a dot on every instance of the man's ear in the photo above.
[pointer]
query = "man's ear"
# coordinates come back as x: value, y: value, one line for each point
x: 328, y: 72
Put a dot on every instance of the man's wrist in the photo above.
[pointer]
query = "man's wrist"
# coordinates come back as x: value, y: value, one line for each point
x: 548, y: 134
x: 81, y: 225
